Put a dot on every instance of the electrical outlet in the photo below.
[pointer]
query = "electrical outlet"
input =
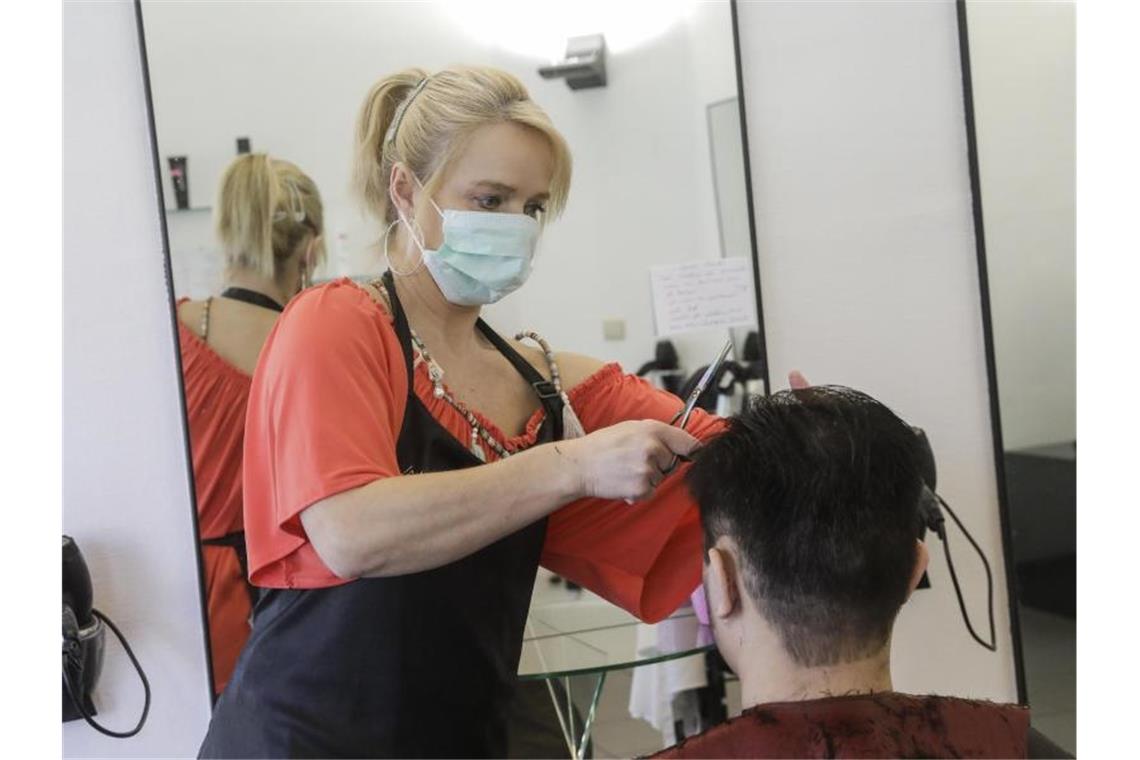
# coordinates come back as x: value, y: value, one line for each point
x: 613, y: 329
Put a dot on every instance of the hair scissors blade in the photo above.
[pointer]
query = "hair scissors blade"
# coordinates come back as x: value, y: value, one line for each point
x: 702, y: 386
x: 682, y: 416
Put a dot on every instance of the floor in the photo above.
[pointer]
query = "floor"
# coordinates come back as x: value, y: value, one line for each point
x: 1049, y: 649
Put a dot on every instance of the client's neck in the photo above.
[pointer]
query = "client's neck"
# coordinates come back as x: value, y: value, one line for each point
x: 769, y: 674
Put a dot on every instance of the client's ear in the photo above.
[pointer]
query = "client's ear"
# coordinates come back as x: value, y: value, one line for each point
x: 921, y: 560
x: 723, y: 596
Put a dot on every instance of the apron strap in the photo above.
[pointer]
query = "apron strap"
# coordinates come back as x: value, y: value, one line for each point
x: 236, y: 541
x: 547, y: 394
x: 403, y: 331
x: 252, y: 297
x: 550, y: 398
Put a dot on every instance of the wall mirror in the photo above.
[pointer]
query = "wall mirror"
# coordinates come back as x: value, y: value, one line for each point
x: 1023, y: 66
x: 658, y: 185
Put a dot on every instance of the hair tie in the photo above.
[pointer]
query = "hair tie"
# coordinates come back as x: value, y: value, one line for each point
x: 296, y: 206
x: 402, y: 109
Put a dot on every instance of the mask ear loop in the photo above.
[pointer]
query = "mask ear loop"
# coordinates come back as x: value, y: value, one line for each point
x: 388, y: 258
x: 431, y: 200
x: 417, y: 234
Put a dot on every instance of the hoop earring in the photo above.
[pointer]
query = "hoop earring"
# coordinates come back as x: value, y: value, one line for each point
x: 388, y: 258
x: 305, y: 281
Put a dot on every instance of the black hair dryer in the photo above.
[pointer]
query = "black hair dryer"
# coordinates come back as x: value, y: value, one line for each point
x: 83, y: 635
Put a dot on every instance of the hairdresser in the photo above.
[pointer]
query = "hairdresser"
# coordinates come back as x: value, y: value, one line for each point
x: 269, y: 224
x: 408, y: 468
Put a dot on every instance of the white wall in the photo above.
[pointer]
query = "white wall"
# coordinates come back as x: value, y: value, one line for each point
x: 869, y: 278
x: 869, y: 274
x: 1023, y: 58
x: 126, y: 491
x: 292, y: 76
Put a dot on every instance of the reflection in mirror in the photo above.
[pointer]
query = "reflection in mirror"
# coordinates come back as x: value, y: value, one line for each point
x: 262, y: 112
x: 1022, y: 60
x: 269, y: 227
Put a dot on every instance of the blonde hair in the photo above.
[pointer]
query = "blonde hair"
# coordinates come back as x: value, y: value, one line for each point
x: 266, y: 207
x: 424, y: 121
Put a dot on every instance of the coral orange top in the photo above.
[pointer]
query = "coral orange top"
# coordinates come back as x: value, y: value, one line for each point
x: 216, y: 397
x: 325, y: 411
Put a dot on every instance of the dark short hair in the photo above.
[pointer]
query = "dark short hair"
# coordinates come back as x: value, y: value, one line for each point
x: 820, y: 489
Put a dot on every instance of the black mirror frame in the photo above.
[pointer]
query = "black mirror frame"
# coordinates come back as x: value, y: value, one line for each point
x: 161, y: 200
x: 169, y: 277
x: 991, y: 361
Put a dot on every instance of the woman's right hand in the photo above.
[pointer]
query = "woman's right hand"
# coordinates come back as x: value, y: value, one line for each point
x: 625, y: 461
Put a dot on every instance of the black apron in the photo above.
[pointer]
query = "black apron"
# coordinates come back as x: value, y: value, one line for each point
x: 419, y: 665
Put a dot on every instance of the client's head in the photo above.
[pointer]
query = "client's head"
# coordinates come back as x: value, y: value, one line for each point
x: 809, y: 503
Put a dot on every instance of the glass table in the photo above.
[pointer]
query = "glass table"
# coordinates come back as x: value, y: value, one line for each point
x: 579, y: 633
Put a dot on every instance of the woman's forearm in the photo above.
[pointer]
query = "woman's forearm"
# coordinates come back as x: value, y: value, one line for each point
x: 411, y: 523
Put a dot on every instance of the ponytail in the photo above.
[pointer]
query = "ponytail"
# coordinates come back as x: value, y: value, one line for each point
x: 375, y: 147
x: 265, y: 209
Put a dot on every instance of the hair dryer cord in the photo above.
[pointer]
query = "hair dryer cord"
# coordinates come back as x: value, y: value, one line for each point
x: 940, y: 528
x: 71, y: 689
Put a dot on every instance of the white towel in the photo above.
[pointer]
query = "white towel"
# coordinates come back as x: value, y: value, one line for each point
x: 654, y: 686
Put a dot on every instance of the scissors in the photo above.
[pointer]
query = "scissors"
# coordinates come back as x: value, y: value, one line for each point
x: 691, y: 402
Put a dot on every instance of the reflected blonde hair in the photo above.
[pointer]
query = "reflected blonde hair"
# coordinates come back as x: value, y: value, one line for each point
x: 266, y: 208
x: 424, y: 121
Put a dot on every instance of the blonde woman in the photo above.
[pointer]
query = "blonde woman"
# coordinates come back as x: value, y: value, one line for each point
x: 269, y: 222
x: 408, y: 469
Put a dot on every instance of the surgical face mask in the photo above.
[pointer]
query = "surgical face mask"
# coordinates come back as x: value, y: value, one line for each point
x: 484, y: 255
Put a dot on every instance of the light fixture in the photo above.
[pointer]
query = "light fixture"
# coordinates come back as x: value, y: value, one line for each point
x: 584, y: 65
x: 540, y: 30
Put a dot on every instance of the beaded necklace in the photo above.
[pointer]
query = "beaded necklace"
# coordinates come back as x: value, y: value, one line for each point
x: 479, y: 434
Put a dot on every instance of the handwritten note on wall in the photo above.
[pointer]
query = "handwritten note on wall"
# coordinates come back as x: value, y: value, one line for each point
x: 702, y: 295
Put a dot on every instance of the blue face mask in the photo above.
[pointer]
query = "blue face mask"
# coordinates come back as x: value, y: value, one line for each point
x: 484, y: 255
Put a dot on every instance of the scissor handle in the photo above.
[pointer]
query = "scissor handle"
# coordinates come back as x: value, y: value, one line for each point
x: 683, y: 415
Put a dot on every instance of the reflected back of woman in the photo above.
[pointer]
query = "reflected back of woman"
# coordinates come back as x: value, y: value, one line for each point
x: 269, y: 221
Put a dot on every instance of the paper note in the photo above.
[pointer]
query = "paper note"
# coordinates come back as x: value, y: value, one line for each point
x: 702, y: 295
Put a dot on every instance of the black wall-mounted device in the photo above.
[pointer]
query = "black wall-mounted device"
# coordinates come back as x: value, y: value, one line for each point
x: 84, y: 637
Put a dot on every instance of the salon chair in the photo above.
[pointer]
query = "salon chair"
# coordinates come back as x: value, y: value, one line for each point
x: 728, y: 380
x: 666, y: 365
